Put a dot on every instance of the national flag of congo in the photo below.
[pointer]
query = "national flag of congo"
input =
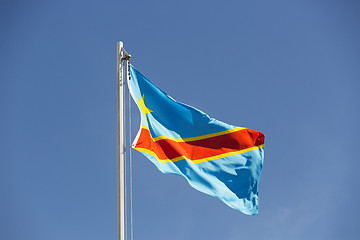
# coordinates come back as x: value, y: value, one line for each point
x: 216, y: 158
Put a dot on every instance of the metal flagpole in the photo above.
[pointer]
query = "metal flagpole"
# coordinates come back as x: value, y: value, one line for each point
x: 120, y: 143
x: 121, y: 53
x: 122, y: 56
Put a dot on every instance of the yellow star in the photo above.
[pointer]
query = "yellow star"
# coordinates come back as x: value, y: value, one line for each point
x: 144, y: 109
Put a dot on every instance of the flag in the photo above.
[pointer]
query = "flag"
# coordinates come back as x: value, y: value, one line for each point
x: 216, y: 158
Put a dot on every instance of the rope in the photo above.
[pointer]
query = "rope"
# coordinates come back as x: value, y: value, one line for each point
x: 130, y: 164
x: 125, y: 177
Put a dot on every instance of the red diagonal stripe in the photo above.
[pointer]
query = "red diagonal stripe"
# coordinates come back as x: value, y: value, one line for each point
x: 199, y: 149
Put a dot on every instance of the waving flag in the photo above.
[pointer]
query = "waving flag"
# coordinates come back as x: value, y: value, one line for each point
x: 216, y: 158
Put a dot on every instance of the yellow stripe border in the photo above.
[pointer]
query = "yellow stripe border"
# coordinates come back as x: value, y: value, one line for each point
x: 195, y: 138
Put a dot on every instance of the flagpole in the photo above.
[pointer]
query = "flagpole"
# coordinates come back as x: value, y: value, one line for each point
x: 120, y: 142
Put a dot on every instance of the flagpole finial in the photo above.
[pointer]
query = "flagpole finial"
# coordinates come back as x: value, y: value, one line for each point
x: 124, y: 56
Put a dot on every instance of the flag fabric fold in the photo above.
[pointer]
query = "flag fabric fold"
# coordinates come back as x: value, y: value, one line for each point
x: 216, y: 158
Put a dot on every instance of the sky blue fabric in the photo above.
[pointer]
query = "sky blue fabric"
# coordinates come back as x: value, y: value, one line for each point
x: 233, y: 179
x: 169, y: 117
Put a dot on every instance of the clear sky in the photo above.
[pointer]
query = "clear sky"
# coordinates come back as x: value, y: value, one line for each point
x: 287, y: 68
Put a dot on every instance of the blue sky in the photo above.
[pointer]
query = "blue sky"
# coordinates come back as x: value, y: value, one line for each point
x: 289, y: 69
